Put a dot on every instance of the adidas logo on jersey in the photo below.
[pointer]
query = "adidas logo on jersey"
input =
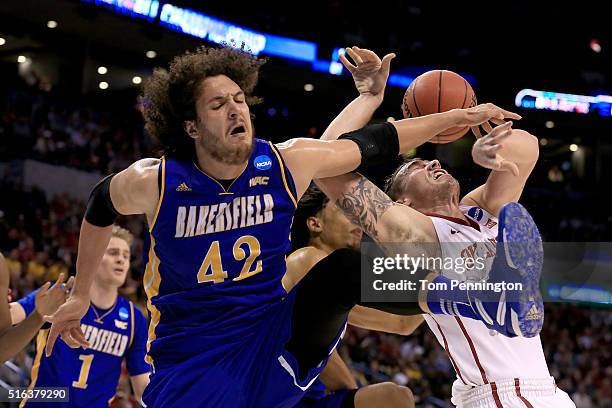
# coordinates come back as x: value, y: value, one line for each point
x: 533, y: 313
x: 183, y: 187
x: 455, y: 231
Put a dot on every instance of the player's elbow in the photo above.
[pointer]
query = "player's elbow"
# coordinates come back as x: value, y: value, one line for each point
x: 394, y: 395
x: 405, y: 326
x: 530, y: 145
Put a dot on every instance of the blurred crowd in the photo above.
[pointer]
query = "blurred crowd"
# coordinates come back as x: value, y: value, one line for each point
x: 71, y: 133
x: 39, y: 236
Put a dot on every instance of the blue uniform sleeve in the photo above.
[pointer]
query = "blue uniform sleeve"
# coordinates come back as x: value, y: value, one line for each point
x: 28, y: 302
x: 135, y: 357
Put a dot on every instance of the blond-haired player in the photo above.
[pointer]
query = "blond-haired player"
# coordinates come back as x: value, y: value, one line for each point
x: 113, y: 326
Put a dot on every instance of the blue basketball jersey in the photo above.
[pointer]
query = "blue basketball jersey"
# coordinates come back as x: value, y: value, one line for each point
x: 92, y: 375
x: 216, y: 257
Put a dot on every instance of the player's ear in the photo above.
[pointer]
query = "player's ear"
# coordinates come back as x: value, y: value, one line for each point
x: 405, y: 201
x: 313, y: 224
x: 191, y: 129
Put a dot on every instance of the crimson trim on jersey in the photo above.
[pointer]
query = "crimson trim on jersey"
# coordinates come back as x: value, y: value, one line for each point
x: 468, y: 223
x: 498, y: 403
x: 517, y: 387
x: 473, y: 349
x: 455, y: 366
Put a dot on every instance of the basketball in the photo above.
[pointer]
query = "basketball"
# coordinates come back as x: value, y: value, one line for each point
x: 439, y: 91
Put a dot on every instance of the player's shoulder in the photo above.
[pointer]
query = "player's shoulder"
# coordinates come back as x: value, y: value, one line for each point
x: 306, y: 257
x: 479, y: 215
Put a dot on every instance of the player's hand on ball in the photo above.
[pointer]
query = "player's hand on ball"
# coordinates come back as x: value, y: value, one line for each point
x: 67, y: 323
x: 50, y: 298
x: 481, y: 115
x: 369, y: 72
x: 484, y: 151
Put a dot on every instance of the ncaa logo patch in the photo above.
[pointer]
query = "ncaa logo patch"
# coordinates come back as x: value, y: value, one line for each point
x: 476, y: 213
x: 123, y: 313
x: 262, y: 162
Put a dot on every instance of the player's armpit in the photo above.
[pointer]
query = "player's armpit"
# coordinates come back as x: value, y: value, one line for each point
x: 373, y: 319
x: 298, y: 265
x: 135, y: 189
x: 503, y: 187
x: 368, y: 207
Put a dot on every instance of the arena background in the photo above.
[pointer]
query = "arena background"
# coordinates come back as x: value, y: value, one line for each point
x: 65, y: 122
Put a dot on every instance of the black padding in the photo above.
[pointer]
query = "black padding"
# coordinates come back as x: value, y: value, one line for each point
x: 378, y: 143
x: 100, y: 210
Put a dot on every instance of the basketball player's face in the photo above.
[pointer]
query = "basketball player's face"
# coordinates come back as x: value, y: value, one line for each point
x: 224, y: 128
x: 115, y: 263
x: 427, y: 183
x: 336, y: 230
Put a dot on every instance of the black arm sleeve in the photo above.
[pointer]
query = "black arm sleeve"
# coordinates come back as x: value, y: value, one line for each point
x: 100, y: 210
x: 378, y: 143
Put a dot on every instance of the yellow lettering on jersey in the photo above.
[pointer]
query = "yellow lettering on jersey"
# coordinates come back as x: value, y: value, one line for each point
x: 259, y: 181
x: 180, y: 222
x: 82, y: 381
x: 243, y: 204
x: 235, y: 212
x: 241, y: 212
x: 250, y: 219
x: 191, y: 220
x: 211, y: 217
x: 268, y: 207
x: 201, y: 228
x: 254, y: 251
x: 212, y: 261
x: 228, y: 218
x: 220, y: 219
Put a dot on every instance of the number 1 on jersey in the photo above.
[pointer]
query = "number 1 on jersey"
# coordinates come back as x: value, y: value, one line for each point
x: 82, y: 382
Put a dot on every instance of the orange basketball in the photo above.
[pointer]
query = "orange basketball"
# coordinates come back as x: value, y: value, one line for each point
x: 439, y: 91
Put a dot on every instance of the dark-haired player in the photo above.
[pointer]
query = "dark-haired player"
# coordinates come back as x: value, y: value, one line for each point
x: 318, y: 229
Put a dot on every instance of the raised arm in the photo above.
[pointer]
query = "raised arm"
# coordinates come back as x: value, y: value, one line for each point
x: 511, y: 154
x: 308, y: 159
x: 132, y: 191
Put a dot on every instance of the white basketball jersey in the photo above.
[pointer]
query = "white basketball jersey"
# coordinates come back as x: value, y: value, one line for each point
x: 479, y: 355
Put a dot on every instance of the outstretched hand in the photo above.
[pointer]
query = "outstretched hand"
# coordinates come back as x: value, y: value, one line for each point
x: 481, y: 115
x: 369, y: 72
x: 50, y: 298
x: 484, y: 151
x: 67, y: 323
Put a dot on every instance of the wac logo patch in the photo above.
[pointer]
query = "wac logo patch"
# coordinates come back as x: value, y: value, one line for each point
x: 120, y: 325
x: 259, y: 181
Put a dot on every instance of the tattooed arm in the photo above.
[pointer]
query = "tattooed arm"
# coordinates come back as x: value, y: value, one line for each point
x: 368, y: 207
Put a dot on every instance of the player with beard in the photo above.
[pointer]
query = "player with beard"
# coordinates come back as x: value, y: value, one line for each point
x: 219, y: 205
x: 422, y: 204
